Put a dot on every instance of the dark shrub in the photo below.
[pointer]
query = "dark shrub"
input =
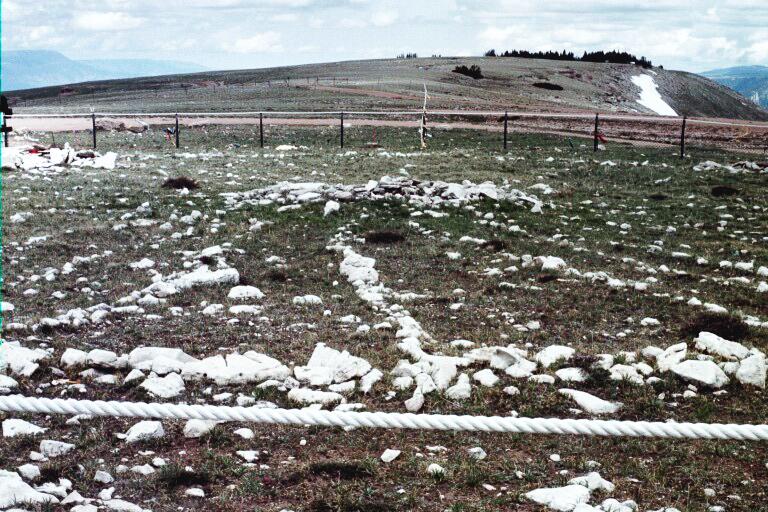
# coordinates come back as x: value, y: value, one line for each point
x: 180, y: 183
x: 383, y: 237
x: 722, y: 324
x: 472, y: 71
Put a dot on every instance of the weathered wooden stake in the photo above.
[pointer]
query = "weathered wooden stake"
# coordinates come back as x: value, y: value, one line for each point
x: 506, y: 119
x: 597, y: 128
x: 342, y: 130
x: 5, y: 131
x: 177, y: 131
x: 682, y: 138
x: 261, y: 129
x: 93, y: 128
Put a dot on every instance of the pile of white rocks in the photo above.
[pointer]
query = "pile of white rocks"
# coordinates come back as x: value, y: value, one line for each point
x: 421, y: 193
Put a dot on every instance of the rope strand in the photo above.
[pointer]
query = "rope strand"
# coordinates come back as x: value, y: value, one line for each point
x: 71, y: 407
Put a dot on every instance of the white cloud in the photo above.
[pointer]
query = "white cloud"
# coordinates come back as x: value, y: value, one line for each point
x: 11, y: 10
x: 352, y: 23
x: 284, y: 18
x: 106, y: 21
x: 264, y: 42
x: 495, y: 37
x: 384, y: 18
x: 687, y: 34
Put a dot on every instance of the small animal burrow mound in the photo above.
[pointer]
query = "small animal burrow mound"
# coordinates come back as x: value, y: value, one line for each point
x: 181, y: 182
x: 384, y: 237
x: 724, y: 325
x: 724, y: 191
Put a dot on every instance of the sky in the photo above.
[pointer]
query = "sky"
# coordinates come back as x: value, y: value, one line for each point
x: 692, y: 35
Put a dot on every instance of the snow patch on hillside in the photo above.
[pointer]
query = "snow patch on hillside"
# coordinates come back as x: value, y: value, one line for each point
x: 650, y: 97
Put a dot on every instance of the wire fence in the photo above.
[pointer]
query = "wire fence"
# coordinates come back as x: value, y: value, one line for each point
x: 355, y: 129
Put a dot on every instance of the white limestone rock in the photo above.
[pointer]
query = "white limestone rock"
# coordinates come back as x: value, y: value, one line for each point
x: 14, y: 427
x: 714, y: 344
x: 170, y: 386
x: 590, y: 403
x: 462, y: 390
x: 15, y: 491
x: 705, y: 373
x: 389, y: 455
x: 752, y: 370
x: 198, y: 428
x: 144, y: 430
x: 553, y: 353
x: 486, y: 377
x: 241, y: 292
x: 561, y: 499
x: 51, y: 449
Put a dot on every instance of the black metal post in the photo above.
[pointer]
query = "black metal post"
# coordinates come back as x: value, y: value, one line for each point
x: 506, y: 119
x: 597, y: 128
x: 5, y: 131
x: 177, y: 131
x: 93, y: 127
x: 682, y: 138
x: 342, y: 130
x: 261, y: 129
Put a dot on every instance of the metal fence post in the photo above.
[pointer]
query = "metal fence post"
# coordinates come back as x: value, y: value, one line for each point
x: 506, y: 119
x: 177, y: 131
x: 93, y: 127
x: 597, y: 127
x: 261, y: 129
x: 682, y: 138
x: 342, y: 130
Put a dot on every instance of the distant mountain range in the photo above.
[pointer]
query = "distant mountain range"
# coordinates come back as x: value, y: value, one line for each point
x: 749, y: 81
x: 27, y: 69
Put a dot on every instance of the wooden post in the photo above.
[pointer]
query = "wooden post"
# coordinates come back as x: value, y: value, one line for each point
x: 5, y: 131
x: 261, y: 129
x: 506, y: 119
x: 342, y: 130
x: 682, y: 138
x: 93, y: 127
x: 177, y: 131
x: 597, y: 128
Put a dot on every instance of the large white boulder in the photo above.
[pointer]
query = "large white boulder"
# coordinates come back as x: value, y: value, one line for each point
x: 752, y: 370
x: 714, y: 344
x: 562, y: 499
x: 15, y: 491
x: 706, y: 373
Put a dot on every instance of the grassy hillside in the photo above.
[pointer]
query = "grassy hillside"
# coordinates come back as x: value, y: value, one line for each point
x: 508, y: 83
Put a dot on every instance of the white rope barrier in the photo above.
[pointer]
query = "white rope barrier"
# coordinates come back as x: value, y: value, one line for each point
x: 24, y: 404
